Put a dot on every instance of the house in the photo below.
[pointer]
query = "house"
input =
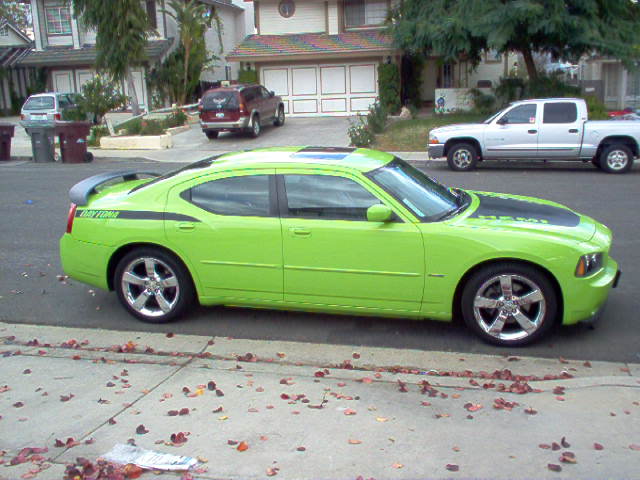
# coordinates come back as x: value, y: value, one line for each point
x: 321, y: 56
x: 620, y: 88
x: 14, y: 45
x: 65, y: 48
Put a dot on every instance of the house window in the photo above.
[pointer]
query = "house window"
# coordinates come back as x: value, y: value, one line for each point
x: 447, y: 75
x: 633, y: 84
x: 4, y: 31
x: 151, y: 13
x: 360, y: 13
x: 611, y: 74
x: 58, y: 20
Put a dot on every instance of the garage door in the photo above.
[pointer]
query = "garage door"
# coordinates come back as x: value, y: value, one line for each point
x: 324, y: 89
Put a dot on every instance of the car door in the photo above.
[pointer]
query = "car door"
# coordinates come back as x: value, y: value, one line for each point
x: 514, y: 134
x: 333, y: 256
x: 560, y: 134
x: 229, y: 231
x: 269, y: 103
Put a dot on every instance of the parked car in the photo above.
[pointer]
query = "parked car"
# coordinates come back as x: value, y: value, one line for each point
x: 46, y: 107
x: 338, y: 230
x: 239, y: 108
x: 545, y: 129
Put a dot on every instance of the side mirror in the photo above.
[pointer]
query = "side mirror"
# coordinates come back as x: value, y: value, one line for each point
x: 379, y: 213
x: 502, y: 121
x: 272, y: 93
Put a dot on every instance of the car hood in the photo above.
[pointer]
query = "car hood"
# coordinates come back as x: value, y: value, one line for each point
x: 467, y: 127
x: 518, y: 213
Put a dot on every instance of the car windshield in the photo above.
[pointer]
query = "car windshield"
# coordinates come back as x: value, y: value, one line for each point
x: 217, y: 100
x: 426, y: 198
x: 39, y: 103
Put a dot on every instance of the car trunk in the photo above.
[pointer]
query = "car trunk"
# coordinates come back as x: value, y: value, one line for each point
x: 221, y: 106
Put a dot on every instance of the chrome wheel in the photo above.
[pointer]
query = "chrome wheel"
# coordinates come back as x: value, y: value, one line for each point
x: 280, y: 116
x: 617, y: 160
x: 150, y: 286
x: 462, y: 158
x: 509, y: 307
x: 255, y: 126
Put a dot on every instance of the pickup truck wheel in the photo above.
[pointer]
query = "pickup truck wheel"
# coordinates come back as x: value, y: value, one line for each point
x: 595, y: 161
x: 616, y: 158
x: 462, y: 157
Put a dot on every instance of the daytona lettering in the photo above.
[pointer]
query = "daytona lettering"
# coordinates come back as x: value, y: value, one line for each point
x: 99, y: 214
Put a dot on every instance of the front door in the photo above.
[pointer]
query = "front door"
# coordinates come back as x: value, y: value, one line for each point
x: 333, y: 256
x: 514, y: 134
x: 233, y: 240
x: 561, y: 131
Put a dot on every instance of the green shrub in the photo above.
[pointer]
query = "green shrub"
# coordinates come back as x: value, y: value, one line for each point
x: 597, y: 109
x: 389, y: 87
x: 176, y: 119
x: 483, y: 102
x: 377, y: 118
x: 248, y: 76
x: 96, y: 133
x: 151, y: 127
x: 131, y: 127
x: 509, y: 89
x: 99, y: 96
x: 359, y: 133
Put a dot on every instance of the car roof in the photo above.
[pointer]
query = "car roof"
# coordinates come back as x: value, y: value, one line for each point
x: 230, y: 88
x: 361, y: 159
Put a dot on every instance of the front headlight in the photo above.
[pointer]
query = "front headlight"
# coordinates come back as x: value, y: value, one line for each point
x: 589, y: 264
x: 433, y: 140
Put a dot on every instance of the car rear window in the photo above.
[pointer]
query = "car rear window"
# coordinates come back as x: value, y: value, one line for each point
x: 562, y: 112
x: 39, y: 103
x: 217, y: 100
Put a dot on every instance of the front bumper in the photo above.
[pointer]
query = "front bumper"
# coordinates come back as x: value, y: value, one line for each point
x: 240, y: 124
x: 436, y: 151
x: 585, y: 300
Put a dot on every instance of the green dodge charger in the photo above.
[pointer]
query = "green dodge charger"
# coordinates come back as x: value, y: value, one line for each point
x: 337, y: 230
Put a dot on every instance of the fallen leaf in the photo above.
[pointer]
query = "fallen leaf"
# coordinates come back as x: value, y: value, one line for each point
x: 397, y: 465
x: 554, y: 468
x: 598, y: 446
x: 355, y: 355
x: 272, y: 471
x: 349, y: 411
x: 18, y: 404
x: 452, y: 467
x: 141, y: 430
x: 132, y: 471
x: 353, y: 441
x: 26, y: 371
x: 472, y: 407
x: 568, y: 457
x: 281, y: 355
x: 563, y: 360
x: 112, y: 421
x: 178, y: 438
x: 530, y: 411
x: 170, y: 335
x: 301, y: 449
x: 66, y: 398
x: 382, y: 419
x: 555, y: 446
x: 264, y: 438
x: 455, y: 449
x: 242, y: 446
x: 184, y: 411
x: 587, y: 364
x: 564, y: 443
x: 211, y: 385
x: 635, y: 447
x: 545, y: 446
x: 232, y: 442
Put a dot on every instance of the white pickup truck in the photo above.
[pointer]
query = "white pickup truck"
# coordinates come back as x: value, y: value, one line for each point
x: 544, y: 129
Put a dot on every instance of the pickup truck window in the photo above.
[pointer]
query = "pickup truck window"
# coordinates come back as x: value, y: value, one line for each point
x: 560, y: 112
x: 521, y: 114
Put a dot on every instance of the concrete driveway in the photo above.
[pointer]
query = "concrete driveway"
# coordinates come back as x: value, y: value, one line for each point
x: 317, y: 131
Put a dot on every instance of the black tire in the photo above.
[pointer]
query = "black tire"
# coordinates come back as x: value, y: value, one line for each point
x: 616, y: 158
x: 485, y: 286
x: 254, y: 126
x: 462, y: 157
x: 211, y: 134
x: 595, y: 161
x: 179, y: 298
x: 88, y: 157
x: 279, y: 120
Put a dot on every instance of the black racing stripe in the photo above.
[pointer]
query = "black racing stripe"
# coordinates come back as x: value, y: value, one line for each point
x: 134, y: 215
x: 522, y: 210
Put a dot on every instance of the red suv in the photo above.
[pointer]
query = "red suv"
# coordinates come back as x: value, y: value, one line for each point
x: 239, y: 108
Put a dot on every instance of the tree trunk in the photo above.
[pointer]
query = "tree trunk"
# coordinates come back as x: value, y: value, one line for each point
x: 187, y: 55
x: 529, y: 63
x: 135, y: 103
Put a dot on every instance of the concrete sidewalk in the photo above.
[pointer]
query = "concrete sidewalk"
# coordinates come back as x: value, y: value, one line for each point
x: 308, y: 411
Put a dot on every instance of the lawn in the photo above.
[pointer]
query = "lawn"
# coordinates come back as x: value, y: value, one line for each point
x: 412, y: 135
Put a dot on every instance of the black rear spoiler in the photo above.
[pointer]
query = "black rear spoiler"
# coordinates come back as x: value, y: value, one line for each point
x: 79, y: 193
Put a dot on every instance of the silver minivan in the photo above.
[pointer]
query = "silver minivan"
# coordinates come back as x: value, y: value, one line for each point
x: 46, y: 107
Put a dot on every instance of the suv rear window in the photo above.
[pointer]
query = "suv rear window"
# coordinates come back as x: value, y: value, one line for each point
x: 39, y: 103
x: 218, y: 100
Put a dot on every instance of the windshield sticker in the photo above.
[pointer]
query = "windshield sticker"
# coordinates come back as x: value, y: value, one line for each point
x: 415, y: 209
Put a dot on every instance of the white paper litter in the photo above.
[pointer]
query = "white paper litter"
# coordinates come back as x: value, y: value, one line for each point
x: 148, y: 459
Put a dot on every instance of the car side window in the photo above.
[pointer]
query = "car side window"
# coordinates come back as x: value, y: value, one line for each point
x: 326, y: 197
x: 520, y: 114
x: 249, y: 94
x: 560, y: 112
x: 265, y: 93
x: 238, y: 196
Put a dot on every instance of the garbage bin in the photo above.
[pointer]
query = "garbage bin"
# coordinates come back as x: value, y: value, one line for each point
x: 73, y: 141
x: 6, y: 133
x: 42, y: 141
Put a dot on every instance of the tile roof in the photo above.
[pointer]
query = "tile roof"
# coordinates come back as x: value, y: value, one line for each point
x: 67, y: 56
x: 310, y: 43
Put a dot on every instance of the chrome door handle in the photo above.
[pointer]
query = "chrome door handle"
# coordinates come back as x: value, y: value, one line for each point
x: 532, y: 131
x: 185, y: 226
x: 301, y: 232
x: 573, y: 130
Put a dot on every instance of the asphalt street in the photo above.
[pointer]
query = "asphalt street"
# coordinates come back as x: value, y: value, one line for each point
x: 33, y: 210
